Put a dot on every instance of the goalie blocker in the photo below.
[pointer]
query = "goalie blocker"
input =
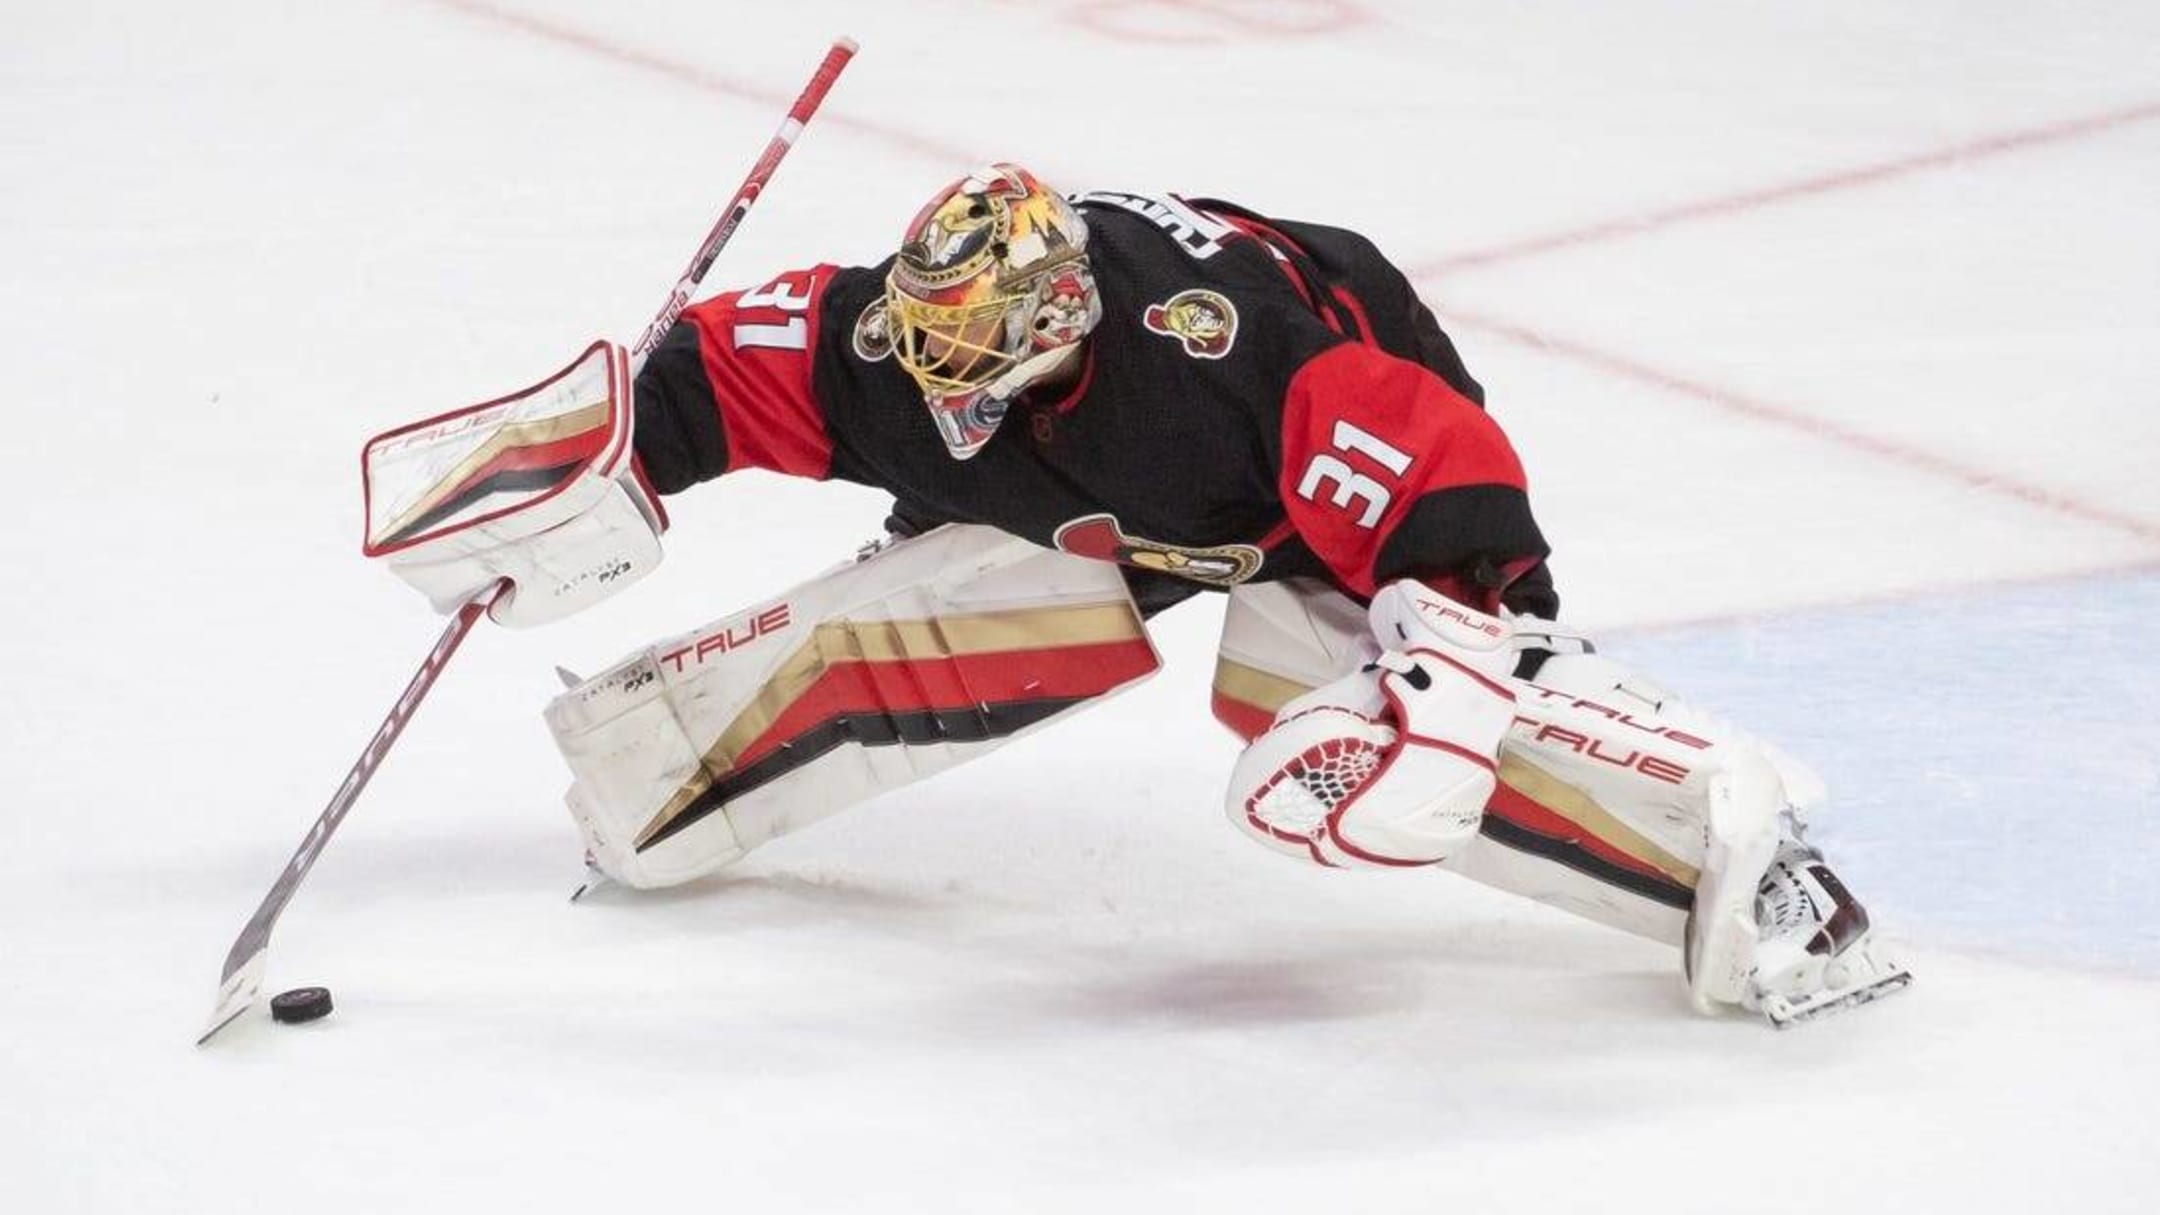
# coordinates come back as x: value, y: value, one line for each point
x: 538, y: 492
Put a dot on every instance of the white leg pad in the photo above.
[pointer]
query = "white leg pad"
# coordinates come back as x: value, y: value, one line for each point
x: 923, y: 655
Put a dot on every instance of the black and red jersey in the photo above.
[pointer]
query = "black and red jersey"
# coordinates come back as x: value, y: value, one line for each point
x: 1262, y: 399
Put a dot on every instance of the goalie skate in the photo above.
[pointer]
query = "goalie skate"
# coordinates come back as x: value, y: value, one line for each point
x: 1815, y: 955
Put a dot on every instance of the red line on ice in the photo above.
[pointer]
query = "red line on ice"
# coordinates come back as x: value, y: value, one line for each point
x: 1111, y: 19
x: 697, y: 77
x: 1826, y: 183
x: 1919, y: 459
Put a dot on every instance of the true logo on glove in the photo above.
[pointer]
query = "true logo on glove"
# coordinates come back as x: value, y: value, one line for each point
x: 1481, y: 624
x: 460, y: 424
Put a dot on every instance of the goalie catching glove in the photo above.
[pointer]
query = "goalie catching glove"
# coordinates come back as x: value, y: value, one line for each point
x: 538, y: 492
x: 1392, y: 764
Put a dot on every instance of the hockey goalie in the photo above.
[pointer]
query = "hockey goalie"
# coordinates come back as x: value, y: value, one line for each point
x: 1089, y: 409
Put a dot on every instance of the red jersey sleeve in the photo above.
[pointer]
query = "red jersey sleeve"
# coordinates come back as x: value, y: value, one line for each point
x: 1389, y: 473
x: 730, y: 387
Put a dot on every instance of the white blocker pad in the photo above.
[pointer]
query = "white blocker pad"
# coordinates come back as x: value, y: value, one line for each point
x: 1613, y: 797
x: 536, y: 488
x: 923, y: 655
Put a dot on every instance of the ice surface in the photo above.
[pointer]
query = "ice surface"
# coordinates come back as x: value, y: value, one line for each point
x: 1868, y: 466
x: 1993, y: 751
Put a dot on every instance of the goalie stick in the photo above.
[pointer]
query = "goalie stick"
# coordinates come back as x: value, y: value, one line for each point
x: 821, y: 81
x: 240, y: 984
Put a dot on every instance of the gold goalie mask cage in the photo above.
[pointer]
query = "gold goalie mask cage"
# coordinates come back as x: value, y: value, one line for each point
x: 991, y: 292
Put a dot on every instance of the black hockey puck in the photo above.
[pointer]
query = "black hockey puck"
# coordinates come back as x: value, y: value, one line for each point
x: 300, y: 1004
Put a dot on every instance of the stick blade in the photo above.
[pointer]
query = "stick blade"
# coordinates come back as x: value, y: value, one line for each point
x: 237, y: 994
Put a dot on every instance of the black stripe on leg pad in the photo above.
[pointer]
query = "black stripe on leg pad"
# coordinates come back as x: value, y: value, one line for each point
x: 872, y: 728
x: 1522, y: 839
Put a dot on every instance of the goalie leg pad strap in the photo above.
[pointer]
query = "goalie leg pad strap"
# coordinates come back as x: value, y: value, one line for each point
x: 929, y: 652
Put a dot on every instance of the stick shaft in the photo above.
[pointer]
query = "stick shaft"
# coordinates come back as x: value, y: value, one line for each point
x: 791, y: 127
x: 254, y: 939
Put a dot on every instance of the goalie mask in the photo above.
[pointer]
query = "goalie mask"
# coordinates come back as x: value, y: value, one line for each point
x: 991, y: 292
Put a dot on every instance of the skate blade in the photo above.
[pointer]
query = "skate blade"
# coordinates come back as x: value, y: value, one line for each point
x: 1784, y: 1013
x: 595, y: 879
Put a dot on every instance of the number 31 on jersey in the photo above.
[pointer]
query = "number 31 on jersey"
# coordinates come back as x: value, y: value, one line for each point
x: 773, y: 316
x: 1343, y: 486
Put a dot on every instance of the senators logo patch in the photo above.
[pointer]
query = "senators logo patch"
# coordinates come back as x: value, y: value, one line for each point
x: 1100, y: 537
x: 873, y: 340
x: 1205, y: 322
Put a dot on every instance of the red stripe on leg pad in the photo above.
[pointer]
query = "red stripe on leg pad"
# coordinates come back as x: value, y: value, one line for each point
x: 1247, y: 721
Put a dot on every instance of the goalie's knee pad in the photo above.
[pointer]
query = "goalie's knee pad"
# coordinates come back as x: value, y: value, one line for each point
x: 925, y: 654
